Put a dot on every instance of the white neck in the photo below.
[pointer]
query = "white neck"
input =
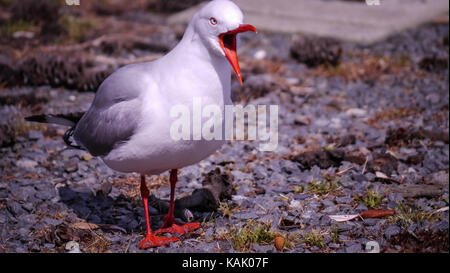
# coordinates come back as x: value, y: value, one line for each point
x: 192, y: 50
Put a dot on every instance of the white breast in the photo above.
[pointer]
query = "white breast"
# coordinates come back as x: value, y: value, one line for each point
x: 152, y: 150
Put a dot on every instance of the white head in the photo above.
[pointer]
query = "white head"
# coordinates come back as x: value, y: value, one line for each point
x: 217, y: 25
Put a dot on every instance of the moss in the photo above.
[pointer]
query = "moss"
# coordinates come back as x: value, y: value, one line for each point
x: 405, y: 215
x: 226, y: 209
x: 314, y: 238
x: 334, y: 233
x: 366, y: 68
x: 329, y: 148
x: 10, y: 27
x: 23, y: 127
x: 251, y: 233
x: 77, y: 28
x: 299, y: 189
x: 327, y: 185
x: 371, y: 199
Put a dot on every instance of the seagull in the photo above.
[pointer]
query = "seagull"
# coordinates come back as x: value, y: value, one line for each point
x: 128, y: 123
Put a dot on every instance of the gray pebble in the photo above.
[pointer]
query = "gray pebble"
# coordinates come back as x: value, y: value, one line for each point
x: 354, y: 248
x: 391, y: 231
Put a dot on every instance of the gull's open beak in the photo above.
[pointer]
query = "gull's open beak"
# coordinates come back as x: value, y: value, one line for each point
x: 228, y: 43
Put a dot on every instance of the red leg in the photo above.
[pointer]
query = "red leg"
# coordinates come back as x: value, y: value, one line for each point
x: 151, y: 240
x: 170, y: 225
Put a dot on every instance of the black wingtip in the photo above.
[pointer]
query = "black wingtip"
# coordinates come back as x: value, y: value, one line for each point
x: 38, y: 118
x: 67, y: 135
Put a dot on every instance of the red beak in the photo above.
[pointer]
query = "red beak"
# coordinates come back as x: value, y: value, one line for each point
x: 228, y: 43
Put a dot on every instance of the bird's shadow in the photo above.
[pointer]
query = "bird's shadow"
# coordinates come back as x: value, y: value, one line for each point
x: 121, y: 211
x: 128, y: 214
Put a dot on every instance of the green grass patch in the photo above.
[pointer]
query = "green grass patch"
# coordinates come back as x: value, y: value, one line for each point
x: 77, y: 28
x: 327, y: 185
x: 226, y: 209
x: 334, y: 233
x: 371, y: 199
x: 313, y: 238
x: 13, y: 26
x: 251, y: 233
x: 299, y: 189
x: 405, y: 215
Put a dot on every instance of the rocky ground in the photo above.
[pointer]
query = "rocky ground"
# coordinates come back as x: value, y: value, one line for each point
x: 360, y: 127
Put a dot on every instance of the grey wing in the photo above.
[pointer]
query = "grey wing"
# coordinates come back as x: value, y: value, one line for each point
x: 114, y: 114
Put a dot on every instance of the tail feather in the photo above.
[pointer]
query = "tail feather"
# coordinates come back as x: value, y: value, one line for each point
x: 62, y: 119
x: 51, y: 119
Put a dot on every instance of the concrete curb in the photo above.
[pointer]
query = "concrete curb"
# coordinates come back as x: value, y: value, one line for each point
x: 347, y: 21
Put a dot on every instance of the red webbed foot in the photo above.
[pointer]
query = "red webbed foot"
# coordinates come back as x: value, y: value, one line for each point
x: 154, y: 241
x: 178, y: 228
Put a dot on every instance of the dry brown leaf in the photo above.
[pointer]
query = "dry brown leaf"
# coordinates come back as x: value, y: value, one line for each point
x: 85, y: 226
x: 279, y: 242
x: 376, y: 213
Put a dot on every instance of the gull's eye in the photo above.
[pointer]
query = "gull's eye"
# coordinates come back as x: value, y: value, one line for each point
x: 213, y: 21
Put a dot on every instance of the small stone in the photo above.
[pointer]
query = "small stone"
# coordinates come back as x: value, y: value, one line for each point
x: 28, y: 206
x: 295, y: 205
x: 353, y: 248
x: 14, y: 208
x: 359, y: 177
x: 26, y: 163
x: 245, y: 216
x: 71, y: 166
x: 345, y: 227
x: 35, y: 135
x: 23, y: 193
x: 86, y: 157
x: 314, y: 248
x: 289, y: 167
x: 262, y: 248
x: 260, y: 172
x: 27, y: 219
x: 105, y: 188
x: 439, y: 225
x: 260, y: 54
x: 24, y: 232
x: 391, y: 231
x: 327, y: 203
x: 334, y: 245
x: 23, y: 34
x: 302, y: 120
x: 343, y: 200
x: 361, y: 208
x: 392, y: 205
x: 239, y: 199
x: 73, y: 247
x: 45, y: 194
x: 357, y: 112
x: 370, y: 222
x: 51, y: 221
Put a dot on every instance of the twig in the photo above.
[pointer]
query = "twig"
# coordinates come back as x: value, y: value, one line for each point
x: 365, y: 165
x: 128, y: 246
x: 264, y: 209
x: 344, y: 171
